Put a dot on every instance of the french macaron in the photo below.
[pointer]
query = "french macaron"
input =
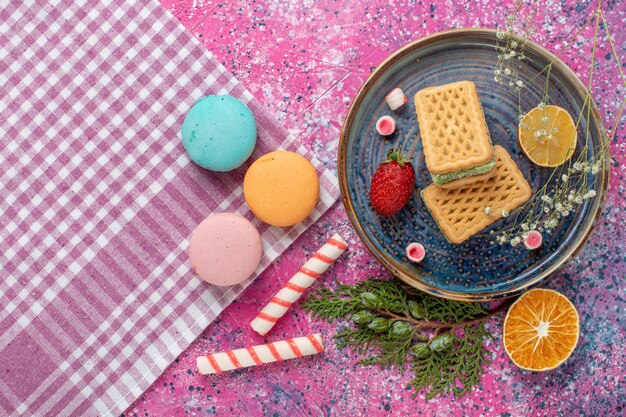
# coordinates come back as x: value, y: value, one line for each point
x: 219, y: 133
x: 281, y: 188
x: 225, y: 249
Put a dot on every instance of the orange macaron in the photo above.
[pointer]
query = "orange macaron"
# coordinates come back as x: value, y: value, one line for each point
x: 281, y: 188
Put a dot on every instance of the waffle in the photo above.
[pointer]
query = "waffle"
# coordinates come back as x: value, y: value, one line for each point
x: 460, y: 212
x: 453, y: 128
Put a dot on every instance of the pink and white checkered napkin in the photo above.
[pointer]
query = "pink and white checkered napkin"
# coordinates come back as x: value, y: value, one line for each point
x: 98, y: 199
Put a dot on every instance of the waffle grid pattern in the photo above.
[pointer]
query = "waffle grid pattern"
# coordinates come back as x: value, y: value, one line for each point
x: 453, y: 128
x: 460, y: 212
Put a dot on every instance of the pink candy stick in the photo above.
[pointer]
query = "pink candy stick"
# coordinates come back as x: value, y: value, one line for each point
x: 293, y: 289
x: 256, y: 355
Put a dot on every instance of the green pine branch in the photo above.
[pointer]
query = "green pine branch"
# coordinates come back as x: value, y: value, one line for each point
x: 399, y: 327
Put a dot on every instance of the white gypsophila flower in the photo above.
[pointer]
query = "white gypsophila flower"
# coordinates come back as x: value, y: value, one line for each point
x: 551, y: 223
x: 577, y: 166
x: 546, y: 210
x: 500, y: 35
x: 546, y: 199
x: 497, y: 71
x: 507, y: 71
x: 564, y: 177
x: 512, y: 54
x: 519, y: 83
x: 595, y: 168
x: 487, y: 210
x: 524, y: 226
x: 558, y: 207
x: 513, y: 44
x: 578, y: 199
x: 516, y: 241
x: 541, y: 105
x: 497, y: 79
x: 589, y: 194
x: 505, y: 213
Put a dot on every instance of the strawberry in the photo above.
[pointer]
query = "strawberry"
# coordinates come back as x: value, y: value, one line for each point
x: 392, y: 184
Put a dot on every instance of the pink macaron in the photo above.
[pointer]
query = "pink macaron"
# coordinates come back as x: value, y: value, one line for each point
x: 415, y: 252
x: 225, y: 249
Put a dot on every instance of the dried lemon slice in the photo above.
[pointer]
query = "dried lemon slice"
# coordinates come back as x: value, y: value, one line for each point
x: 540, y: 330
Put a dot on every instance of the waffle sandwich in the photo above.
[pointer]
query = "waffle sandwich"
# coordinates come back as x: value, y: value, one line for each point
x: 456, y: 141
x: 464, y: 211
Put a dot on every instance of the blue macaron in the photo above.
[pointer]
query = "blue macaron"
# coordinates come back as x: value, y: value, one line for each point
x: 219, y: 133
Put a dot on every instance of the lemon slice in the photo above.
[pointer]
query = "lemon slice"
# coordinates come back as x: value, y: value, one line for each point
x: 547, y: 135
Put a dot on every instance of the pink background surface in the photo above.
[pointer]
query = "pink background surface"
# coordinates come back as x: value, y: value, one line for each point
x: 304, y: 61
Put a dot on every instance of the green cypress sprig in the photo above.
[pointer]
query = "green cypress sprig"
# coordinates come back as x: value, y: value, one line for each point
x: 396, y: 326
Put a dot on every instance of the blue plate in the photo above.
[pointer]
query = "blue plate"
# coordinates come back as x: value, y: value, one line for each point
x: 477, y: 270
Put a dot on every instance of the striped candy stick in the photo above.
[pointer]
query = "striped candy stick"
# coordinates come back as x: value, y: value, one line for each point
x: 293, y: 289
x: 257, y: 355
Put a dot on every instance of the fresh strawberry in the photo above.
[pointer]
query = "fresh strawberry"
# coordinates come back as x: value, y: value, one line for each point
x: 393, y: 184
